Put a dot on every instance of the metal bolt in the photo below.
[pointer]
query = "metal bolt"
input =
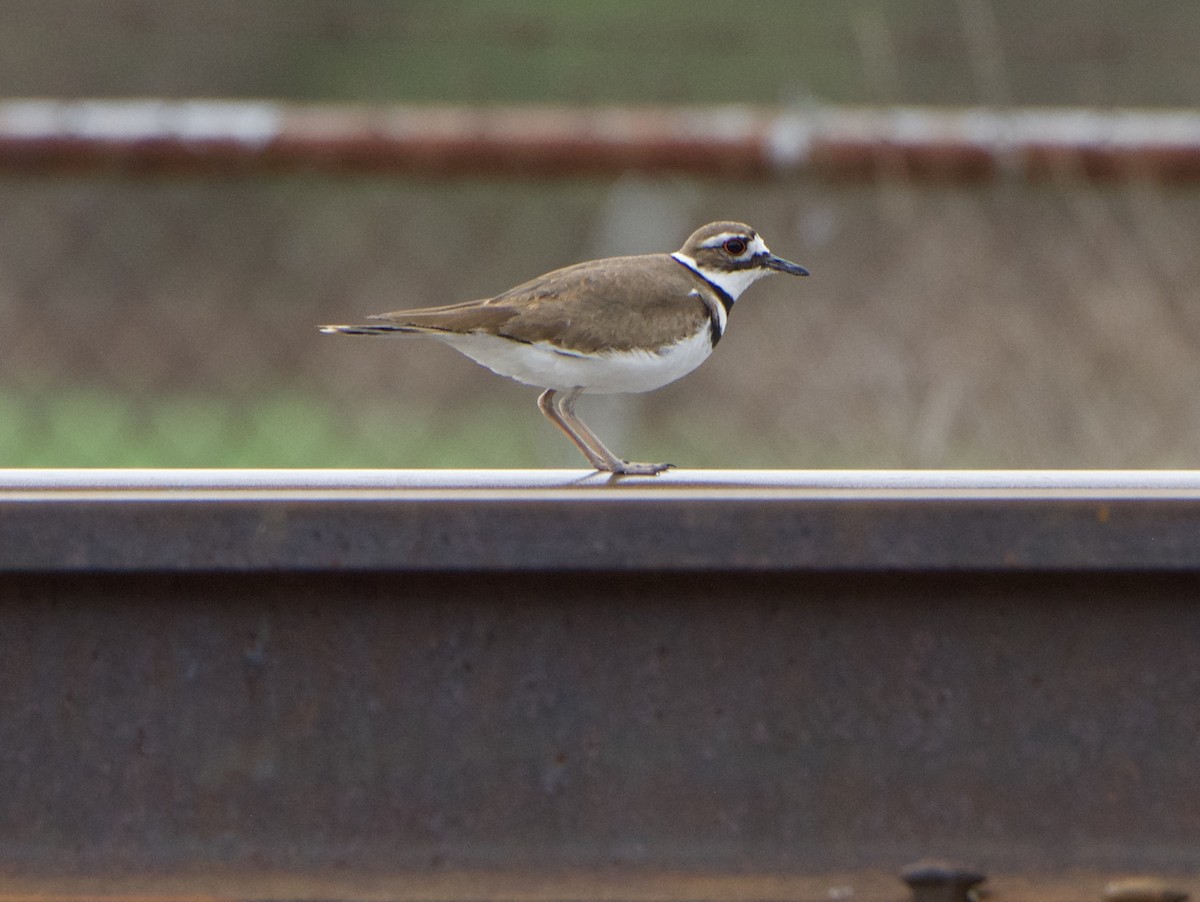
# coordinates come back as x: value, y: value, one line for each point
x: 1143, y: 889
x: 937, y: 881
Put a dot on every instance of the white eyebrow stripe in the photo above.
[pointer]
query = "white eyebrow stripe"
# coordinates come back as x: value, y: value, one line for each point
x: 722, y: 238
x: 754, y: 247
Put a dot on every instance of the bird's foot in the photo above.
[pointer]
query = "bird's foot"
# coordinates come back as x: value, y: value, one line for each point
x: 629, y: 468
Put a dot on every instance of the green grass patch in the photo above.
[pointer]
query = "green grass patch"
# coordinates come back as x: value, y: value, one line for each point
x: 88, y: 428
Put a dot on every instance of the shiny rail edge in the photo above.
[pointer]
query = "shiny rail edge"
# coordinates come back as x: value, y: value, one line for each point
x: 967, y: 482
x: 552, y: 521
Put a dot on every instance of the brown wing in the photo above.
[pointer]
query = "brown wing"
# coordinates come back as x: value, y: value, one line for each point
x: 620, y: 303
x: 470, y: 316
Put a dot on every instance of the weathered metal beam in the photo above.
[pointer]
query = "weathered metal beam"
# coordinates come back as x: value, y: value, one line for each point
x: 248, y: 520
x: 535, y: 685
x: 739, y: 141
x: 367, y: 724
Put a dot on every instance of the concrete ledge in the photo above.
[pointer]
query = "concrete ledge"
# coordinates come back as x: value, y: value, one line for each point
x: 551, y: 520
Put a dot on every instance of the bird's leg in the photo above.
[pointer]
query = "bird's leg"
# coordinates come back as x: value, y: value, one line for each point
x: 613, y: 464
x: 600, y: 456
x: 549, y: 408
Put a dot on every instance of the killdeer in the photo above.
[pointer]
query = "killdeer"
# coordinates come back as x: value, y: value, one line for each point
x: 621, y: 324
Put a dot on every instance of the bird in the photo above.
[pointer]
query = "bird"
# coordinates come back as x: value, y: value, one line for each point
x: 607, y: 326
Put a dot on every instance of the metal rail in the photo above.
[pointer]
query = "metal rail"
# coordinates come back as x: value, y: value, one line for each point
x: 473, y: 686
x: 547, y: 520
x: 739, y: 141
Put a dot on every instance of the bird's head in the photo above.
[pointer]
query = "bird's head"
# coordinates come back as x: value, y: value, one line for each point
x: 732, y: 256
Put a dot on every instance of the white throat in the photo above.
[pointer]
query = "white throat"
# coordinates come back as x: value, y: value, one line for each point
x: 732, y: 282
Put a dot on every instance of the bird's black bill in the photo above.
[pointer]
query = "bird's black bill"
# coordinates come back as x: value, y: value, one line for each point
x: 780, y: 265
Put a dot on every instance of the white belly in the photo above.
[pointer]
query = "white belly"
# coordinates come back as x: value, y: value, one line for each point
x: 604, y: 374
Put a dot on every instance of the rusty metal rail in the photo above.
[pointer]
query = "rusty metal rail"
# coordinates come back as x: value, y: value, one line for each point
x: 739, y: 141
x: 538, y: 686
x: 214, y: 520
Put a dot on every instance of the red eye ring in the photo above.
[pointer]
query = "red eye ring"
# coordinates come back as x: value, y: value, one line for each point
x: 735, y: 247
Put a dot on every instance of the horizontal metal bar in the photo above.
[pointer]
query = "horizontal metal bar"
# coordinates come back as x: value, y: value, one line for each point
x: 379, y: 520
x: 277, y: 672
x: 209, y: 727
x: 839, y: 142
x: 589, y: 483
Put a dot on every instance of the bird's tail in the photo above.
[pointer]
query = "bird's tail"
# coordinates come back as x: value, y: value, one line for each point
x: 368, y: 329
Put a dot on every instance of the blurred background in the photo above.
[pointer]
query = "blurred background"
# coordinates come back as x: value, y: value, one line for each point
x: 170, y: 320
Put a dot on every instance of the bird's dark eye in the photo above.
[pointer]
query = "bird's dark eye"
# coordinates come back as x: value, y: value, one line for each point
x: 735, y: 247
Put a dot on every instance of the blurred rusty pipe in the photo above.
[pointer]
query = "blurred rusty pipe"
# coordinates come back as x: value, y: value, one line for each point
x: 202, y: 136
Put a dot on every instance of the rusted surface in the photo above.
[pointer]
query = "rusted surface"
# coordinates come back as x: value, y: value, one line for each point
x: 531, y: 521
x: 604, y: 885
x: 1144, y: 889
x: 739, y: 141
x: 399, y: 722
x: 268, y: 685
